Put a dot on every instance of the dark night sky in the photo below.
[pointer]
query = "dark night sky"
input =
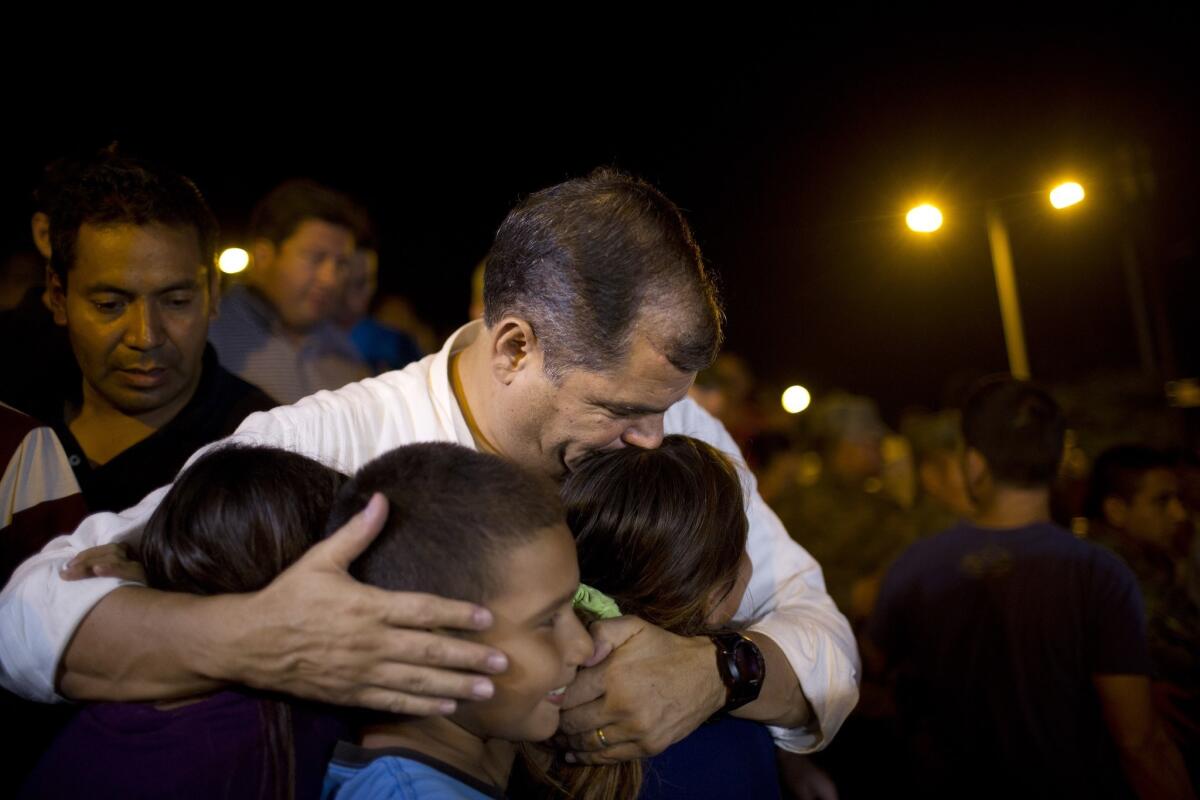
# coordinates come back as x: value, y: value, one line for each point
x: 795, y: 167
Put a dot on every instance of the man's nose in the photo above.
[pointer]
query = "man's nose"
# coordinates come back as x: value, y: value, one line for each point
x: 330, y: 271
x: 144, y: 329
x: 646, y: 433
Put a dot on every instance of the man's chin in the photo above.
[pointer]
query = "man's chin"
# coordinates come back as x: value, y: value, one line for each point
x: 134, y: 403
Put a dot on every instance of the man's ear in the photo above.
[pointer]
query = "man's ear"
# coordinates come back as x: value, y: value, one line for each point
x: 515, y: 349
x: 977, y: 474
x: 39, y: 227
x: 928, y: 475
x: 262, y: 256
x: 1116, y: 511
x: 56, y: 293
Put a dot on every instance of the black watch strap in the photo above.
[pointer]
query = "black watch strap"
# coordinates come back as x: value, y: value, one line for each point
x: 742, y: 669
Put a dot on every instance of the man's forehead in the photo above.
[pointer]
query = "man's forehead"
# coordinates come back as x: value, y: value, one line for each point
x: 133, y: 255
x: 1158, y: 481
x: 314, y: 230
x: 124, y: 235
x: 647, y: 391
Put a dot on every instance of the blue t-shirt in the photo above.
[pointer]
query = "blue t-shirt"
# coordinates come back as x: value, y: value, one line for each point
x: 397, y: 773
x: 995, y: 636
x: 384, y: 348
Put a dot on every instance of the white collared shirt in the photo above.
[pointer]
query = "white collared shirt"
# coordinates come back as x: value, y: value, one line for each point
x: 786, y: 599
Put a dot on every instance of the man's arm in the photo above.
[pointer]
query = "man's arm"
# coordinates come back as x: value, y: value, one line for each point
x: 313, y: 632
x: 1152, y: 762
x: 139, y: 643
x: 657, y: 687
x: 40, y: 612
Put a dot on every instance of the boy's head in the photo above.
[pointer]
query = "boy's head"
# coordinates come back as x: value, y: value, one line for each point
x: 663, y: 532
x: 471, y: 526
x: 235, y: 519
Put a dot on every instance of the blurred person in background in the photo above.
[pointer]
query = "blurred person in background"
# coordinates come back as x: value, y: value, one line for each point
x: 1134, y: 509
x: 843, y: 517
x: 937, y: 452
x: 276, y: 327
x: 383, y: 348
x: 1019, y: 651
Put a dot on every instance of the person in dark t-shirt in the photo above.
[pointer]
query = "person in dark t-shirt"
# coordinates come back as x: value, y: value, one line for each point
x: 1019, y: 652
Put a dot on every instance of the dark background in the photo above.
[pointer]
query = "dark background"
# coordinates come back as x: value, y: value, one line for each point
x: 794, y: 162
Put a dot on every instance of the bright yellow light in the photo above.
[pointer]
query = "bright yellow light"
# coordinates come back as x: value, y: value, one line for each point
x: 796, y: 399
x: 1066, y: 194
x: 924, y: 218
x: 233, y: 260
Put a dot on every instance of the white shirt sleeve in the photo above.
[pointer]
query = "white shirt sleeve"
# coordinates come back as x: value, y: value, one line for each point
x: 39, y: 611
x: 786, y: 600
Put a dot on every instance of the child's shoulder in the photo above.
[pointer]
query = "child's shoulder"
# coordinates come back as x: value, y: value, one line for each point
x: 397, y: 774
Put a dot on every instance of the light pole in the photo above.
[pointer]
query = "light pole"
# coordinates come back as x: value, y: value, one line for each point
x: 926, y: 218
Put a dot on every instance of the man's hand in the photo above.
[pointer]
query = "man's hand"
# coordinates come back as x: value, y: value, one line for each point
x: 654, y: 689
x: 105, y: 561
x: 314, y: 632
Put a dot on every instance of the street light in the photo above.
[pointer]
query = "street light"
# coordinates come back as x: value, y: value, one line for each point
x: 233, y: 260
x: 925, y: 218
x: 1066, y: 194
x: 1062, y: 196
x: 796, y: 399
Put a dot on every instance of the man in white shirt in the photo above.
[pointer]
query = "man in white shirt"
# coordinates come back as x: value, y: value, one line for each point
x: 599, y: 312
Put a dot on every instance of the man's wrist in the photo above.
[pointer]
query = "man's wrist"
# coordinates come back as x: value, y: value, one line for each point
x: 211, y: 650
x: 713, y: 691
x: 741, y: 667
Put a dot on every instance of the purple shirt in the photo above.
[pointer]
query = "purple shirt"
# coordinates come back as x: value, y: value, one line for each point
x: 214, y: 748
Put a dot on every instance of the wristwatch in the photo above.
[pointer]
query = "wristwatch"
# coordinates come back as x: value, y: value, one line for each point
x: 742, y: 668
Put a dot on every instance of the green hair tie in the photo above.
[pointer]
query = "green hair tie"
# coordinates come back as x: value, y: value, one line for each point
x: 595, y: 602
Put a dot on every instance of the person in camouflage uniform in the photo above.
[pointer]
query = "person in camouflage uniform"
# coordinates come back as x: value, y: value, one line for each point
x: 937, y: 446
x: 841, y: 515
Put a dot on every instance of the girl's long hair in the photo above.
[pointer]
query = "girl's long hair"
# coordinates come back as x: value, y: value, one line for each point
x: 662, y: 532
x: 232, y: 522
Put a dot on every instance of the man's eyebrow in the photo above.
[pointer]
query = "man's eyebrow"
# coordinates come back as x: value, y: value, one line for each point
x: 629, y: 409
x: 107, y: 288
x: 189, y: 284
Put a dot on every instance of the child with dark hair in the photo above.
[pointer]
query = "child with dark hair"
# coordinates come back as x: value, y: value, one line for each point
x: 468, y: 526
x: 663, y: 533
x: 233, y: 521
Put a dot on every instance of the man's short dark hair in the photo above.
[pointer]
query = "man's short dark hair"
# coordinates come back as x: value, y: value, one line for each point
x: 277, y: 215
x: 1018, y: 428
x: 451, y: 511
x: 112, y: 189
x: 585, y: 260
x: 1118, y: 472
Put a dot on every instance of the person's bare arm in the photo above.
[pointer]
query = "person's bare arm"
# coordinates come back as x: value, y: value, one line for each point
x: 314, y: 632
x: 1152, y: 762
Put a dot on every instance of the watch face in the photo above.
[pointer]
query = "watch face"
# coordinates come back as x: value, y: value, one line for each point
x: 749, y: 663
